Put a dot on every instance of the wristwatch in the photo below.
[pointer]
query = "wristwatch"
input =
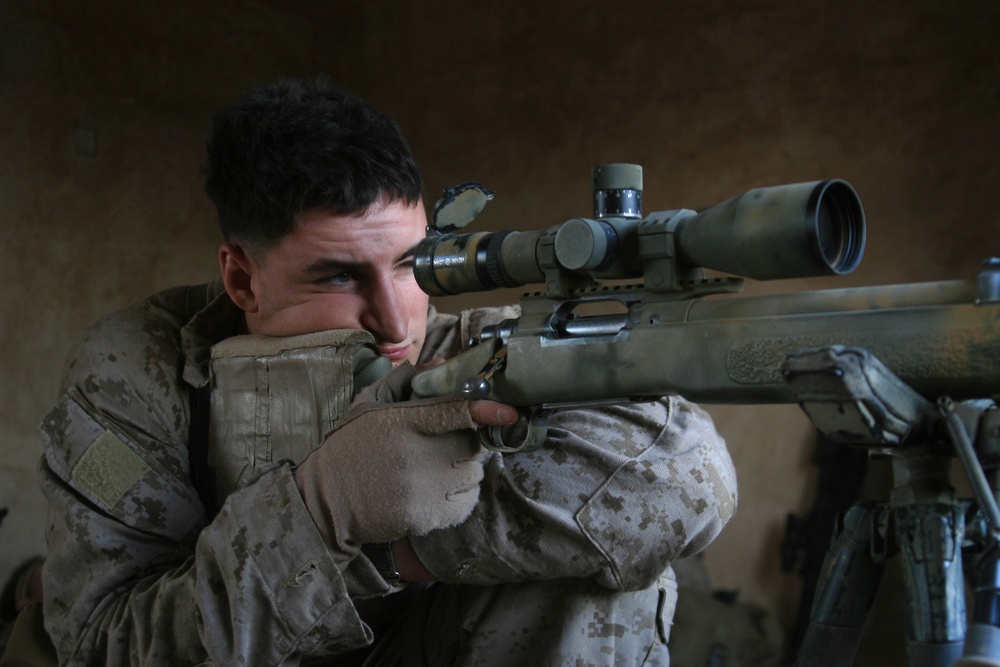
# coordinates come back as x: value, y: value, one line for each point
x: 380, y: 556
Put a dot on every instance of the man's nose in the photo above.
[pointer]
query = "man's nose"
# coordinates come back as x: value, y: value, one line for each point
x: 383, y: 316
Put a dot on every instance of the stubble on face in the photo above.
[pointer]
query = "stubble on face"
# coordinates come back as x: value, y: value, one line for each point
x: 335, y: 271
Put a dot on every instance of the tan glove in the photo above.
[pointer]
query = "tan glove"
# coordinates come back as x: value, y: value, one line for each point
x: 392, y: 469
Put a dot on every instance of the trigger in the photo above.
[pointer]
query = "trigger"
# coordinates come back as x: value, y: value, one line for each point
x: 530, y: 430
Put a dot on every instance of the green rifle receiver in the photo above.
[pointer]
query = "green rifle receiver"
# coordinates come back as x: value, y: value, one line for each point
x: 665, y: 336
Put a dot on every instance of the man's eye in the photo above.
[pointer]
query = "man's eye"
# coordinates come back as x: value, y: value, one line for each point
x: 342, y: 278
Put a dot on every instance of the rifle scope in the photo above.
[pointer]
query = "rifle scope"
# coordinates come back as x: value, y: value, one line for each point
x: 784, y: 231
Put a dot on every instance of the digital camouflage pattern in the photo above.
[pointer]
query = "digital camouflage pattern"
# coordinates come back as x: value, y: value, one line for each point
x: 573, y: 541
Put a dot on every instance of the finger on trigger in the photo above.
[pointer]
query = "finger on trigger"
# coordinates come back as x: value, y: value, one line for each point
x: 492, y: 413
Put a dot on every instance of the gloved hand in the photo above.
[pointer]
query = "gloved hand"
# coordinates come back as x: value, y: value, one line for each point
x: 392, y: 469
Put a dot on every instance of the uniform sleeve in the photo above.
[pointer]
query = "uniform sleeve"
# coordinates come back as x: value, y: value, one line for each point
x: 135, y: 573
x: 614, y: 494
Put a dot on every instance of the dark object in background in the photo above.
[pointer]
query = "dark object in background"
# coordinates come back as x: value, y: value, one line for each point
x: 841, y: 473
x: 23, y: 586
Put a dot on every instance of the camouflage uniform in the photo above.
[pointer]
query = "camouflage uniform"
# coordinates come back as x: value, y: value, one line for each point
x: 564, y: 561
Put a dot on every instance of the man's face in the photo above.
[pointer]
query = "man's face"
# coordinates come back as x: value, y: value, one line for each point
x: 337, y: 272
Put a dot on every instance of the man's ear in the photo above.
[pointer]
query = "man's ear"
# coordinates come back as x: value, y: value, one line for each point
x: 238, y: 271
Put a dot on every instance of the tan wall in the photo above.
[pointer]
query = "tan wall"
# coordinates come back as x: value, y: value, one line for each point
x: 103, y: 114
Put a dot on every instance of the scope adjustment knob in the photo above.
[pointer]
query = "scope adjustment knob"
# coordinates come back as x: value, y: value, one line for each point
x: 582, y: 244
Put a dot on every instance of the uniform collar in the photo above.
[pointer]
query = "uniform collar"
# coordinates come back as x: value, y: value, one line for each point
x: 217, y: 319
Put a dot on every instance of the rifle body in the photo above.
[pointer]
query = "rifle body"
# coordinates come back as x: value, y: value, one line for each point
x: 723, y: 349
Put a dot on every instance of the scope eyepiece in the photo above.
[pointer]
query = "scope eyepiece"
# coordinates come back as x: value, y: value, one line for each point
x: 448, y: 264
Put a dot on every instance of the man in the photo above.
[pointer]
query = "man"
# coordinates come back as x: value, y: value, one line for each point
x: 274, y: 540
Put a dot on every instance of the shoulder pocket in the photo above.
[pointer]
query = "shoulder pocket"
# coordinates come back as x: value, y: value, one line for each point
x: 112, y: 471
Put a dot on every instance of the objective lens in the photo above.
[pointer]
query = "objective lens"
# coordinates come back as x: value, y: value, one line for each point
x: 840, y: 227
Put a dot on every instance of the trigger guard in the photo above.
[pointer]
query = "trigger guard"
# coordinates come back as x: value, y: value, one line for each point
x: 492, y: 437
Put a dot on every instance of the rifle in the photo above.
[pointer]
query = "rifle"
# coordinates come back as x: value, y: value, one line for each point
x: 879, y: 366
x: 673, y: 334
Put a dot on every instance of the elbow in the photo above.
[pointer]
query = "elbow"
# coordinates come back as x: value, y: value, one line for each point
x: 669, y: 502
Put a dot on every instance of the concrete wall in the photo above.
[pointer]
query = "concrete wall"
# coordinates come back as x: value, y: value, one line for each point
x: 103, y: 113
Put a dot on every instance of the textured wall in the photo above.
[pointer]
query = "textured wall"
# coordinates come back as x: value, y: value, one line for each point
x: 104, y: 112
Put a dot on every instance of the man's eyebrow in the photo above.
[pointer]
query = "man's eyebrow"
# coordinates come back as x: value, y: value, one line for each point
x: 326, y: 265
x: 331, y: 266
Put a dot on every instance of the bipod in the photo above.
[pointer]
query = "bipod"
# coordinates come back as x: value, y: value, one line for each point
x: 852, y: 398
x: 982, y: 641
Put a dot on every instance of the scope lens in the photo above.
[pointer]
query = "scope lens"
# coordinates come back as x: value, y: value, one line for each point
x: 840, y: 227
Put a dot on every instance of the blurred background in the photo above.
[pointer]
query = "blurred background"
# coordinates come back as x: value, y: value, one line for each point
x: 104, y: 110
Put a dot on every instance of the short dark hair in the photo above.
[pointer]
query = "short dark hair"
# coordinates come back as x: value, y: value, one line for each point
x: 297, y: 145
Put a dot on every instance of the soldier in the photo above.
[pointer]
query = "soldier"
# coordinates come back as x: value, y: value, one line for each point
x: 291, y: 524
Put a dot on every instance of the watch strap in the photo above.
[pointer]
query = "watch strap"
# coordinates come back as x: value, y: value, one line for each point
x: 380, y: 555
